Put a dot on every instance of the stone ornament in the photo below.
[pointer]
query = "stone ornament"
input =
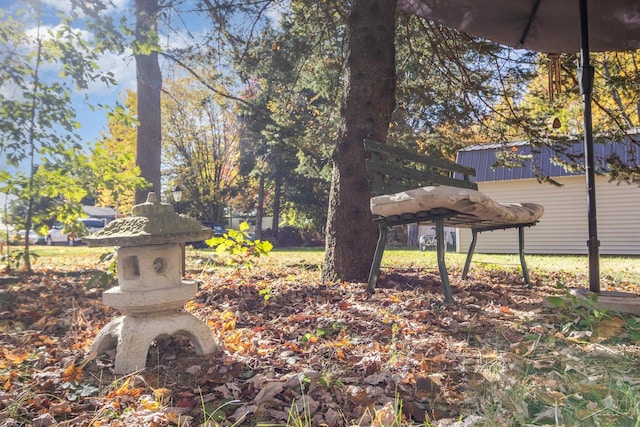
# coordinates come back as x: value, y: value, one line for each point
x: 150, y: 291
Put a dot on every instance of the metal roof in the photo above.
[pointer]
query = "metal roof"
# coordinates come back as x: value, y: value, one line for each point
x: 542, y: 161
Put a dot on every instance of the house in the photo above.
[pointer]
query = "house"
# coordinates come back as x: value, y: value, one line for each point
x: 104, y: 213
x: 563, y: 229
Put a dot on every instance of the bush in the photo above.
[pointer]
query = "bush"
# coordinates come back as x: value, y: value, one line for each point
x: 289, y: 236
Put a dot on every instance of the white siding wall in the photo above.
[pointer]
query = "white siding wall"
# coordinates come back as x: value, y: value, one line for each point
x: 563, y: 228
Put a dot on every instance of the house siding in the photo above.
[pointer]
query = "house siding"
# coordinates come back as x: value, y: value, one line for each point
x: 563, y: 228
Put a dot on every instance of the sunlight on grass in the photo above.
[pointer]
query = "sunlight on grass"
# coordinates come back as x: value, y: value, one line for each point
x: 613, y: 270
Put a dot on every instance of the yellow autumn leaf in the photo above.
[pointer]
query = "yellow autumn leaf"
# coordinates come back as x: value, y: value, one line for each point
x: 72, y: 373
x: 125, y: 390
x: 162, y: 393
x: 149, y: 404
x: 227, y: 315
x: 17, y: 356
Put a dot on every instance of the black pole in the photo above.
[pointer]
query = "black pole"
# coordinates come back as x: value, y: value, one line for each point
x: 585, y: 76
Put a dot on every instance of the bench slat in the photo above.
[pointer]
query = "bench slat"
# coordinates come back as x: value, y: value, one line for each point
x: 398, y: 179
x: 399, y: 153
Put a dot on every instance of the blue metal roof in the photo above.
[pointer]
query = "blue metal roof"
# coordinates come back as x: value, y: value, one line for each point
x: 541, y: 161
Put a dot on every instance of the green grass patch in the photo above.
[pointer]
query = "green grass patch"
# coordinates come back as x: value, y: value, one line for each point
x: 614, y: 270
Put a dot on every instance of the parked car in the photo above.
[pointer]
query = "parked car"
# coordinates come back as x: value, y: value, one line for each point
x: 218, y: 231
x: 58, y: 234
x: 17, y: 238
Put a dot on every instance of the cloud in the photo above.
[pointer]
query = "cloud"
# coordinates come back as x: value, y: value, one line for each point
x: 276, y: 10
x: 122, y: 66
x: 65, y: 5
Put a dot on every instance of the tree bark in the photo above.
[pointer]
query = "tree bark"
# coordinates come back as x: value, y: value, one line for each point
x: 260, y: 208
x: 149, y: 80
x: 277, y: 195
x: 367, y: 104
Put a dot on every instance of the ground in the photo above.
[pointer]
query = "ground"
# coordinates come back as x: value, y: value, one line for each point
x: 302, y: 353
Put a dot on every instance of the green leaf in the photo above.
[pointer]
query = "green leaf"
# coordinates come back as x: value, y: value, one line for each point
x: 557, y: 301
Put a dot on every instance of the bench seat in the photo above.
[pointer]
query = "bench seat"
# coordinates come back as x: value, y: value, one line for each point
x: 473, y: 208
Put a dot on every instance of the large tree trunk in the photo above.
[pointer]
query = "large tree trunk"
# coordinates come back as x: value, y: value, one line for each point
x: 149, y: 79
x: 367, y: 104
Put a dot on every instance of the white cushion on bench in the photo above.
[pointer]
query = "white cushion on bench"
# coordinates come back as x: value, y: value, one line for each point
x: 469, y: 203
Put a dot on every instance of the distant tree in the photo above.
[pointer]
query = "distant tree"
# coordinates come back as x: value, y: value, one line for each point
x: 201, y: 136
x: 37, y: 119
x: 113, y: 160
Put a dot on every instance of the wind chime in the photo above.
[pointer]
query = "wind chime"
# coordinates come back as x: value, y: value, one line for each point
x: 553, y: 70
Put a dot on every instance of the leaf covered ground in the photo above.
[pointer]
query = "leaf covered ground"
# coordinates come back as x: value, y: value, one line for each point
x: 303, y: 353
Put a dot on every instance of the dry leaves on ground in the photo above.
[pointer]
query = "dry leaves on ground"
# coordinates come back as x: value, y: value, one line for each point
x: 324, y: 354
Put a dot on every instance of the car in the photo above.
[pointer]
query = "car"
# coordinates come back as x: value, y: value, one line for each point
x: 218, y: 231
x: 18, y: 238
x: 58, y: 234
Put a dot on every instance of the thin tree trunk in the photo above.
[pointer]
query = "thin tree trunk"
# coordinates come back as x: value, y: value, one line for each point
x: 260, y: 208
x: 277, y: 195
x: 614, y: 92
x: 367, y: 104
x: 149, y: 80
x: 32, y: 129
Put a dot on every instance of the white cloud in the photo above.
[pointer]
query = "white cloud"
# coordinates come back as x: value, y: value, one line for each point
x: 276, y: 10
x: 65, y: 5
x: 123, y: 68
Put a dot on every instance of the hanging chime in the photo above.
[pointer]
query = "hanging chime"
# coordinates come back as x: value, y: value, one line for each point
x: 553, y: 70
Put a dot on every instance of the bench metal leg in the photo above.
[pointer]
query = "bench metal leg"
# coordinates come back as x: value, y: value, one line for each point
x: 523, y: 262
x: 442, y: 268
x: 377, y: 258
x: 472, y: 248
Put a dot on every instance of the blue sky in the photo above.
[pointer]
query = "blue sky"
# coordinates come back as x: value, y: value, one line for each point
x: 93, y: 121
x: 122, y: 66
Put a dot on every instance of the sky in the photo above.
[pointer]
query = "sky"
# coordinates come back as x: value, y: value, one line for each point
x: 93, y: 121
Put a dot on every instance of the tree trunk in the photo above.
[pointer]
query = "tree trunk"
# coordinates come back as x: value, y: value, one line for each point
x: 367, y: 104
x: 260, y: 208
x: 149, y: 80
x: 277, y: 195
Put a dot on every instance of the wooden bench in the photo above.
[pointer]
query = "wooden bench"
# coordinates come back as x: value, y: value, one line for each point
x: 410, y: 188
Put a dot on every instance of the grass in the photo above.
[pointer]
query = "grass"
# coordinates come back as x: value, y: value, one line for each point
x: 613, y: 269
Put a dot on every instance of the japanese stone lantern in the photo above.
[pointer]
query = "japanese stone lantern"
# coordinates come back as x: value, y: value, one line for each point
x: 150, y: 289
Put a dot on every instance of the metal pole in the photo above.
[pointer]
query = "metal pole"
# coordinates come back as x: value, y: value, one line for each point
x: 585, y: 76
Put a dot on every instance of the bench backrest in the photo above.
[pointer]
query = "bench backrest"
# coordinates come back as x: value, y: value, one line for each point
x: 394, y: 170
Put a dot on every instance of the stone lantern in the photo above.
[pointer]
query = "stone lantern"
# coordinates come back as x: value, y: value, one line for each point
x: 151, y: 291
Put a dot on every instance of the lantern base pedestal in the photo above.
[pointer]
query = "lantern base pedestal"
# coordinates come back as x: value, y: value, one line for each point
x: 132, y: 335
